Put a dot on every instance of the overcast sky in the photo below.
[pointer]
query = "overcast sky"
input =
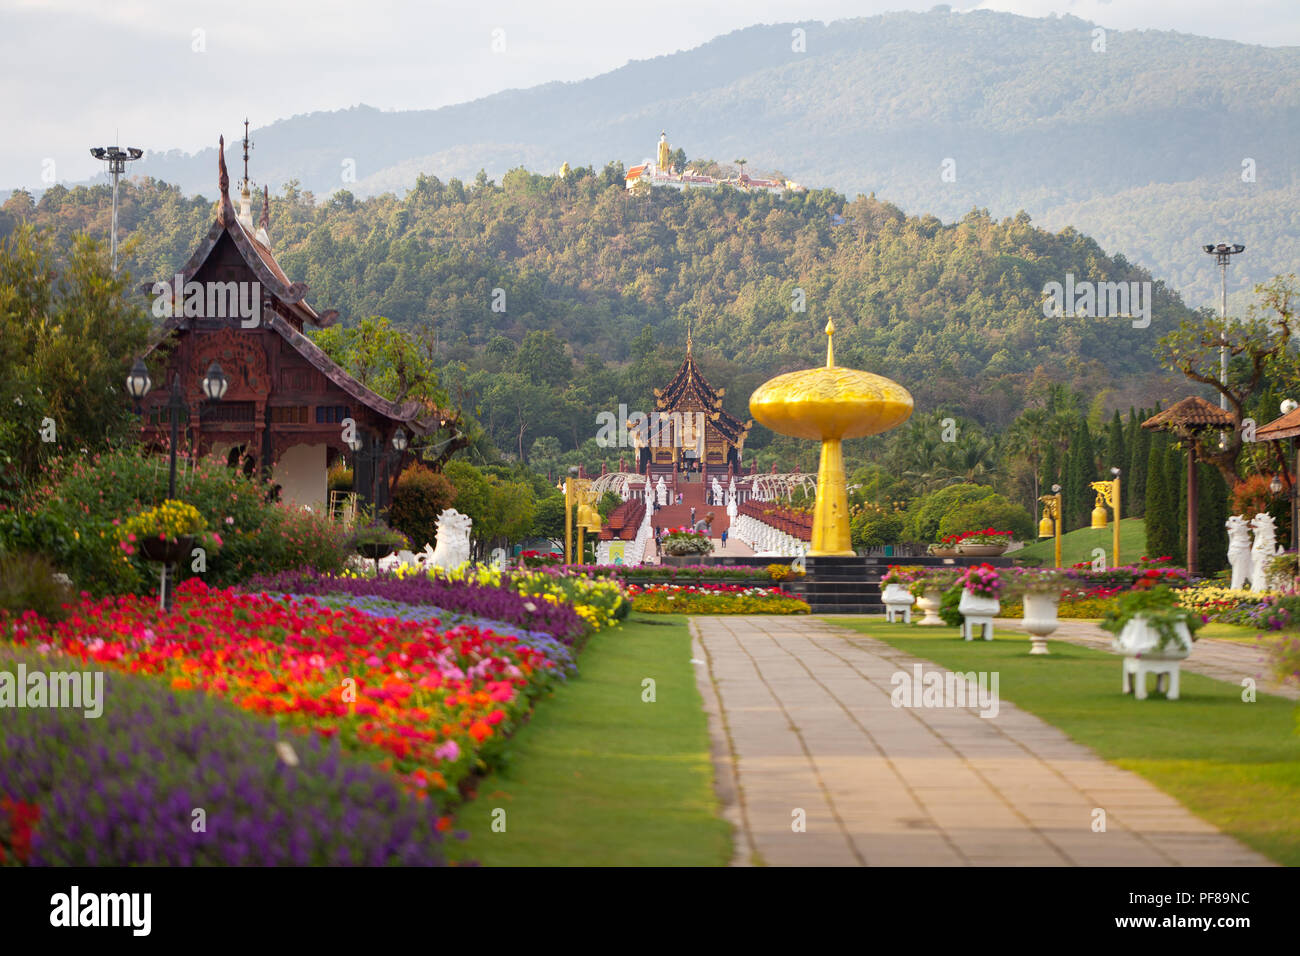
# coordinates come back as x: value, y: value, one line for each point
x: 79, y: 73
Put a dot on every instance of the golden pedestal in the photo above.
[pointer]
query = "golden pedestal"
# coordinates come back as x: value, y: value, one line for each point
x: 830, y: 404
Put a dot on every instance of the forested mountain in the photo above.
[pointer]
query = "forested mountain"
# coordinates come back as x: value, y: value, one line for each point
x: 550, y: 298
x: 1137, y: 138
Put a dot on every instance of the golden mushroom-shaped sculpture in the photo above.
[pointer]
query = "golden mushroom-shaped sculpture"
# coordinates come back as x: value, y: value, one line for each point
x: 830, y: 404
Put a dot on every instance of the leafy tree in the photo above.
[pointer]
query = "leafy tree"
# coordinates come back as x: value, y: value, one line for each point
x: 1257, y: 347
x: 67, y: 340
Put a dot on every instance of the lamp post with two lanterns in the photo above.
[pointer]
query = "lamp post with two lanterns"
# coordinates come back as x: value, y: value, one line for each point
x: 138, y: 383
x: 375, y: 455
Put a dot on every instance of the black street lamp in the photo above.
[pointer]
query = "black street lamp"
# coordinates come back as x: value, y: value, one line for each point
x: 214, y: 385
x: 376, y: 454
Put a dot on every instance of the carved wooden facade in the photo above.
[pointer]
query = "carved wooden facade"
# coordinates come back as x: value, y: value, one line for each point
x: 284, y: 393
x: 690, y: 430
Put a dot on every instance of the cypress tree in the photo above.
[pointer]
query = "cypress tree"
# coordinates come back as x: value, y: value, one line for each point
x: 1049, y: 470
x: 1137, y: 472
x: 1114, y: 456
x: 1078, y: 475
x: 1159, y: 532
x: 1212, y: 513
x: 1176, y: 479
x: 1130, y: 440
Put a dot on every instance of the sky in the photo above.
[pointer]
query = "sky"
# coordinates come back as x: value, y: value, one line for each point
x: 171, y: 74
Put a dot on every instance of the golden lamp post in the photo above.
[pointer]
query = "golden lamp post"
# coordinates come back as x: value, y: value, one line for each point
x: 830, y: 404
x: 1108, y: 497
x: 578, y: 490
x: 1050, y: 526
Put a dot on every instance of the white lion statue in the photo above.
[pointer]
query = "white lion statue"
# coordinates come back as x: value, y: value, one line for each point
x: 453, y: 540
x: 1239, y: 556
x: 1263, y: 551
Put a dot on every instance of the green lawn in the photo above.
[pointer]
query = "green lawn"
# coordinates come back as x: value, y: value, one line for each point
x: 1229, y: 632
x: 1077, y: 545
x: 1235, y: 764
x: 600, y: 778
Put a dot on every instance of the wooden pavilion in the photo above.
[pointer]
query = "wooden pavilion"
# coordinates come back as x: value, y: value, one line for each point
x: 288, y: 405
x: 1188, y: 420
x: 690, y: 432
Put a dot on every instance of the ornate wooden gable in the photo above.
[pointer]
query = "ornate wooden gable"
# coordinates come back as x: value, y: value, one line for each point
x: 232, y: 304
x: 690, y: 395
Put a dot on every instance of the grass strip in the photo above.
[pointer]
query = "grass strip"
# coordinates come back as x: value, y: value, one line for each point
x: 600, y: 777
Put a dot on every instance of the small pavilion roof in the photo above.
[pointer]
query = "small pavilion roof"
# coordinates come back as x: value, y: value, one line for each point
x: 1288, y: 426
x: 1192, y: 414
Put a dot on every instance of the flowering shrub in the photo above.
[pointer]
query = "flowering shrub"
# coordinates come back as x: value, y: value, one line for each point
x: 988, y: 536
x: 73, y: 516
x: 982, y: 580
x: 540, y: 559
x: 170, y: 520
x: 434, y: 703
x: 684, y: 541
x: 688, y: 572
x: 783, y: 572
x: 1038, y: 580
x: 121, y: 790
x: 932, y: 579
x: 900, y: 574
x: 489, y: 601
x: 713, y: 599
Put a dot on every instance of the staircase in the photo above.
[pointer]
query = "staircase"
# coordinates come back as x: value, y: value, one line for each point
x: 679, y: 516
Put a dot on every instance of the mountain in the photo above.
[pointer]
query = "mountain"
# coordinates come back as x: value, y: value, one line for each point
x: 1140, y: 145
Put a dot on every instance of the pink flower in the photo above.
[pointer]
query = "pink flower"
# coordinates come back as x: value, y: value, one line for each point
x: 448, y: 751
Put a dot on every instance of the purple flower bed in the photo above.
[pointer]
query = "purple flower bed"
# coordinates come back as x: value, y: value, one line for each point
x: 122, y: 789
x: 556, y: 651
x: 480, y: 600
x: 689, y: 572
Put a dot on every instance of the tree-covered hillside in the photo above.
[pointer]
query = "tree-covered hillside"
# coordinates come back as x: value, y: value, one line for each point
x: 585, y: 268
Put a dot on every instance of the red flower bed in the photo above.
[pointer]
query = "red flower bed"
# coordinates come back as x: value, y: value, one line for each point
x: 432, y: 703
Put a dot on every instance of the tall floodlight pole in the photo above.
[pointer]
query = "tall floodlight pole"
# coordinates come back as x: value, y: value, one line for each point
x: 117, y: 158
x: 1223, y: 253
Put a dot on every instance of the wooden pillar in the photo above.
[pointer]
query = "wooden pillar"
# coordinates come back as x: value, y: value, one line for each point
x: 1191, y: 506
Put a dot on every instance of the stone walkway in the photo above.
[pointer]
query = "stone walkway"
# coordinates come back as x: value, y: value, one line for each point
x: 802, y: 722
x: 1223, y: 660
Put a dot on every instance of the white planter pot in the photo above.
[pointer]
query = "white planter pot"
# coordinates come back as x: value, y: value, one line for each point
x: 929, y: 603
x: 1040, y: 618
x: 897, y: 600
x: 974, y: 605
x: 1139, y: 639
x: 977, y: 611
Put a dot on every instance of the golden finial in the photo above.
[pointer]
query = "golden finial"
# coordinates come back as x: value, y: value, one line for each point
x: 688, y: 338
x: 830, y: 345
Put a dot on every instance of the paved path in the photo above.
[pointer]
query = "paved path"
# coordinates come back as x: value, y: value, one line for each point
x: 1223, y: 660
x: 801, y: 719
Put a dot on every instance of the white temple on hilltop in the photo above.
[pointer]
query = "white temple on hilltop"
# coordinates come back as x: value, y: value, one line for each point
x: 661, y: 172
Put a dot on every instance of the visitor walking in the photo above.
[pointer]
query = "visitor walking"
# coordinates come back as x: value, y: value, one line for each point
x: 692, y: 514
x: 724, y: 538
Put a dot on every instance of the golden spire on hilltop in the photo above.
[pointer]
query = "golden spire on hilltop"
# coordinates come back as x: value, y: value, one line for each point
x: 688, y: 337
x: 830, y: 345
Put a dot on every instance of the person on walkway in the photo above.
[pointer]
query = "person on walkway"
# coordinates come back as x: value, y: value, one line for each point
x: 692, y: 514
x: 724, y: 537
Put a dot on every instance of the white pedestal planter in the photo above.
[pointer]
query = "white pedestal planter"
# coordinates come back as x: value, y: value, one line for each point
x: 1040, y: 618
x: 928, y: 602
x: 1139, y: 642
x: 898, y: 603
x: 977, y: 611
